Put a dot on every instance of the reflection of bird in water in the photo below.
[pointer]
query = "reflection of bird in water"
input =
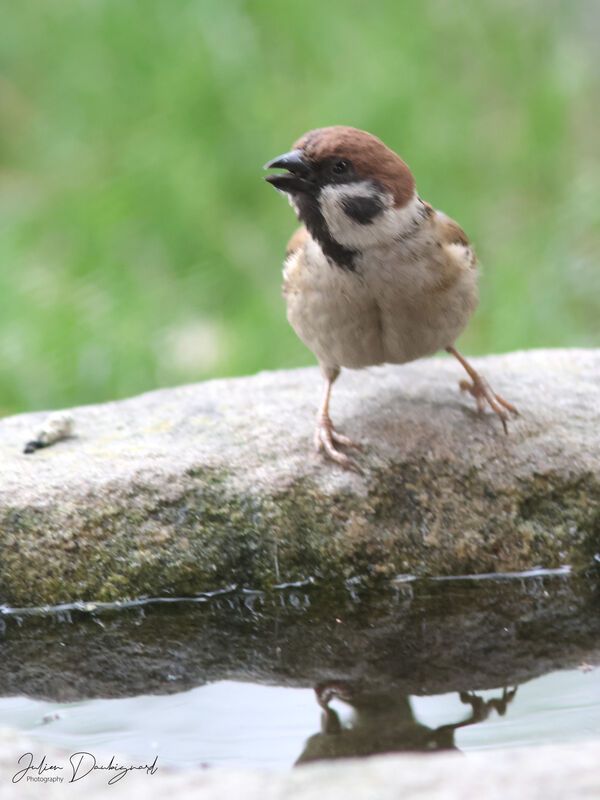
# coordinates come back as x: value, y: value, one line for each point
x: 383, y: 723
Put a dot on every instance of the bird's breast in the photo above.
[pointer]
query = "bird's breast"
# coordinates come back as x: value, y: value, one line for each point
x: 332, y: 310
x: 387, y: 310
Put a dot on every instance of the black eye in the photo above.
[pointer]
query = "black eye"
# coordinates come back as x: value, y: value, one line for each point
x: 341, y: 166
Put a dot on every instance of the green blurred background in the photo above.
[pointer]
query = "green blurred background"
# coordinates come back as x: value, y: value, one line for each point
x: 139, y: 247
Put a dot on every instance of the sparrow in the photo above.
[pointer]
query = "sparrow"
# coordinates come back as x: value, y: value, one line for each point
x: 375, y: 274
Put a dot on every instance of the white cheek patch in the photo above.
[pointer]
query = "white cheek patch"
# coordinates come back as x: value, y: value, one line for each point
x: 341, y: 206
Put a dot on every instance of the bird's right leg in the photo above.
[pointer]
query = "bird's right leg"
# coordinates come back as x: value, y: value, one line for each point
x: 482, y: 391
x: 325, y: 433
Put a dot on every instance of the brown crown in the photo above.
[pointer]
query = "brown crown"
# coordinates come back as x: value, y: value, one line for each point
x: 370, y: 157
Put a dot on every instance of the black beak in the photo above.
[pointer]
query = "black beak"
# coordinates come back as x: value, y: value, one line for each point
x: 299, y: 175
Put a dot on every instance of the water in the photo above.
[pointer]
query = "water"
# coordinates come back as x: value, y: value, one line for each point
x: 246, y: 679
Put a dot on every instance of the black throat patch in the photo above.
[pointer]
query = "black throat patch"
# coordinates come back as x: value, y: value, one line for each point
x: 310, y: 214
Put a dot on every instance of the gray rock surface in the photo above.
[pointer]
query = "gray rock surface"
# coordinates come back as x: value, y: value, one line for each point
x: 543, y: 773
x: 199, y: 487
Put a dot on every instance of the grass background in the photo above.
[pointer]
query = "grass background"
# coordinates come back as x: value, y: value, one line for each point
x: 138, y: 246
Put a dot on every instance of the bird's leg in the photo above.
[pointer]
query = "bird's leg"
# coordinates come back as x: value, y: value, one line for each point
x: 325, y: 433
x: 482, y: 391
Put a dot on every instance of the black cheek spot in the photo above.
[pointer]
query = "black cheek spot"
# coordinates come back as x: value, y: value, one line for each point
x: 363, y: 208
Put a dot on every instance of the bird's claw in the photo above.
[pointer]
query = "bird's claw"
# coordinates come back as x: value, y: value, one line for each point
x: 483, y: 393
x: 326, y: 436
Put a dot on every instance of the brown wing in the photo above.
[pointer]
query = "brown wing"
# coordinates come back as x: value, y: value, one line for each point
x: 297, y: 241
x: 294, y: 263
x: 459, y: 256
x: 450, y: 231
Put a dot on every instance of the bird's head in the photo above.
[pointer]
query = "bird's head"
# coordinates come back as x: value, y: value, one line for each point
x: 351, y: 191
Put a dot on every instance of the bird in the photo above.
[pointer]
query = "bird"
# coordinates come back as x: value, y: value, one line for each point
x: 374, y: 274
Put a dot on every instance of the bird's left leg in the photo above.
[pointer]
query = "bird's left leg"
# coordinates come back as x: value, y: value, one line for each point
x: 482, y: 391
x: 325, y: 433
